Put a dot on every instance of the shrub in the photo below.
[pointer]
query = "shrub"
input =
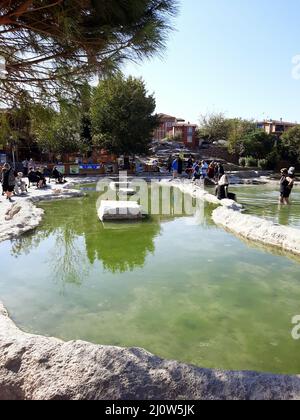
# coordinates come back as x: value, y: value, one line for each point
x: 251, y: 162
x: 263, y: 164
x: 242, y: 162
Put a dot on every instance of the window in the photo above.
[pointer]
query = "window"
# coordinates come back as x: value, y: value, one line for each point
x: 279, y: 128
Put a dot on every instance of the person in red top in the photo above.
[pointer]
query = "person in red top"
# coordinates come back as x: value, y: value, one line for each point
x: 211, y: 171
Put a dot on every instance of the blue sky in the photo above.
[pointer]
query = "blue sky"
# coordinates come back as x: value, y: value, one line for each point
x: 233, y: 56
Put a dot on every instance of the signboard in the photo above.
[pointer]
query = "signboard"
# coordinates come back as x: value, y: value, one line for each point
x: 74, y: 170
x: 90, y: 167
x: 61, y: 169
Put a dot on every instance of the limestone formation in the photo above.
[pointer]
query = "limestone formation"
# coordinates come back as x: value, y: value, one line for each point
x: 24, y: 216
x: 119, y: 210
x: 40, y: 368
x: 11, y: 212
x: 20, y: 218
x: 258, y: 229
x: 197, y: 191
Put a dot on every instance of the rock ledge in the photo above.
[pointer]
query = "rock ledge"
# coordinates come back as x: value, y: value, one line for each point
x: 40, y: 368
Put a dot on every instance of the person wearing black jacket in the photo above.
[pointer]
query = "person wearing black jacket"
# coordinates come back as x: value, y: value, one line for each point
x: 57, y: 175
x: 180, y: 166
x: 8, y: 181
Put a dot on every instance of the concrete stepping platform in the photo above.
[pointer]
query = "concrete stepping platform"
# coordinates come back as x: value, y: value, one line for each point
x: 120, y: 210
x: 119, y: 185
x: 126, y: 191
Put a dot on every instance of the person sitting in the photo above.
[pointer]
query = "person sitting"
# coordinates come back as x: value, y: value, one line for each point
x: 222, y: 187
x: 58, y: 176
x: 32, y: 177
x: 36, y: 177
x: 20, y: 186
x: 47, y: 173
x: 42, y: 183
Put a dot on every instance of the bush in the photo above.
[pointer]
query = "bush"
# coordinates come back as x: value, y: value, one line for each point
x: 251, y: 162
x: 263, y: 164
x: 242, y: 162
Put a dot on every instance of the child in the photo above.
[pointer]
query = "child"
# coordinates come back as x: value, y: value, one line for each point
x: 20, y: 186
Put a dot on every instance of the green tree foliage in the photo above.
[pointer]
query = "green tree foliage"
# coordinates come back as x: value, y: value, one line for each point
x: 64, y: 129
x: 5, y: 128
x: 51, y: 46
x: 258, y: 144
x: 238, y: 130
x: 15, y: 125
x: 214, y: 127
x: 57, y: 131
x: 291, y: 144
x: 122, y: 116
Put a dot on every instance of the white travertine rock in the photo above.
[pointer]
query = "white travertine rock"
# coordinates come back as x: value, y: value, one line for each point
x: 126, y: 191
x: 258, y: 229
x: 119, y: 210
x: 197, y: 191
x: 23, y: 215
x: 25, y: 219
x: 117, y: 185
x: 231, y: 204
x: 40, y: 368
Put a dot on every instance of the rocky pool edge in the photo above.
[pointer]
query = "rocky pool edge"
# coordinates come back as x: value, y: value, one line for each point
x: 39, y: 368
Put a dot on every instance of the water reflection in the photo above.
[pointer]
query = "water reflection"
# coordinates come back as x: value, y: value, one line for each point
x: 77, y: 240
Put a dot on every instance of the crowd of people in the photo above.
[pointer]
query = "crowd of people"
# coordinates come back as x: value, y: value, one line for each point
x: 17, y: 183
x: 195, y: 169
x: 199, y: 171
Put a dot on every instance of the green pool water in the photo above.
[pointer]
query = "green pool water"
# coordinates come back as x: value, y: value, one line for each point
x: 263, y: 201
x: 179, y: 287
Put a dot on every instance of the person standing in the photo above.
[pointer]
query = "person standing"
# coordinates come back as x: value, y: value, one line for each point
x: 211, y: 171
x: 204, y: 169
x: 286, y: 186
x: 221, y: 170
x: 196, y: 172
x: 31, y: 164
x: 180, y: 166
x: 175, y: 168
x: 8, y: 181
x: 170, y: 162
x: 25, y: 164
x: 190, y: 165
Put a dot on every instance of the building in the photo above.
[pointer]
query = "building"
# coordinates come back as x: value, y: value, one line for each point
x: 166, y: 124
x: 176, y: 128
x: 187, y: 133
x: 276, y: 127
